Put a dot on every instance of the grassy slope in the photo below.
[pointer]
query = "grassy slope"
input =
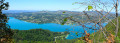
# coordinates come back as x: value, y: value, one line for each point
x: 110, y: 29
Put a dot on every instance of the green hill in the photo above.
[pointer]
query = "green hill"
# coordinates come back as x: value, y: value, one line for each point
x: 110, y: 28
x: 35, y: 36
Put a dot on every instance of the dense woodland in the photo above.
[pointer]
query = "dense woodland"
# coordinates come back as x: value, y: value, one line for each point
x: 37, y: 35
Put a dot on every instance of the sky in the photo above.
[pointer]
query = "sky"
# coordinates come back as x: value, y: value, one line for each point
x: 42, y: 4
x: 51, y: 5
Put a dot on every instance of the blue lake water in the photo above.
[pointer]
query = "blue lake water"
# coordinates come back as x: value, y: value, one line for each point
x: 22, y: 25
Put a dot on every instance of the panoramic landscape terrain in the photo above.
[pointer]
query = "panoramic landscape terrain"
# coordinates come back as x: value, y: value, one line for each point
x: 30, y: 21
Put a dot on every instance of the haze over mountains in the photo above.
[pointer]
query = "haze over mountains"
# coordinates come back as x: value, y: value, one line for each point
x: 54, y: 12
x: 18, y: 11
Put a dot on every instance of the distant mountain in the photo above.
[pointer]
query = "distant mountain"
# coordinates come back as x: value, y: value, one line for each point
x: 51, y: 12
x: 18, y: 11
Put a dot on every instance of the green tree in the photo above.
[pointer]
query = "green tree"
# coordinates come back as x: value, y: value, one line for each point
x: 5, y: 31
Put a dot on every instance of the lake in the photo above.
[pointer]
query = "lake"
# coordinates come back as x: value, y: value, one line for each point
x: 22, y: 25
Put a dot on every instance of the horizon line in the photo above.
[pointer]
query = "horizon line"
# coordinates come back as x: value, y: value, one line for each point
x: 49, y: 10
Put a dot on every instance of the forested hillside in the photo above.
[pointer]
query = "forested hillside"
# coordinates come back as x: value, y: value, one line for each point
x: 36, y: 36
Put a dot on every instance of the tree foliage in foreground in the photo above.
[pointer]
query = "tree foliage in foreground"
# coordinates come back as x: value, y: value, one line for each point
x: 108, y: 34
x: 5, y: 31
